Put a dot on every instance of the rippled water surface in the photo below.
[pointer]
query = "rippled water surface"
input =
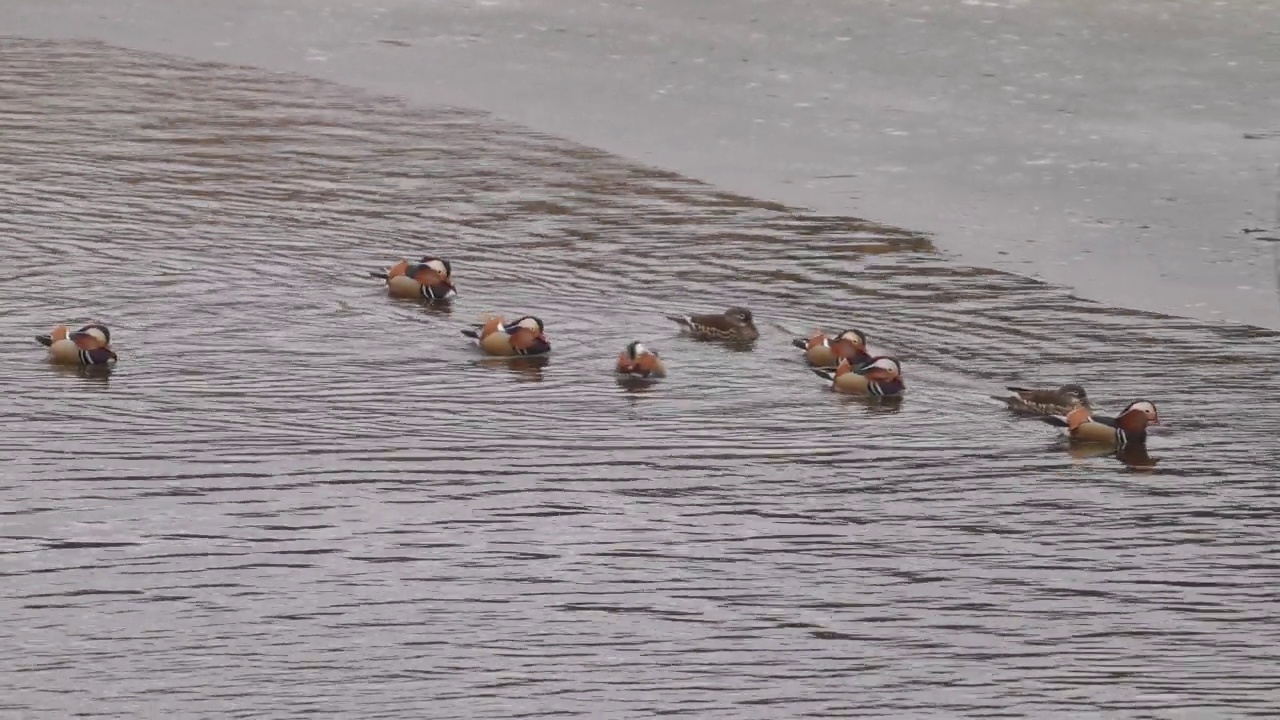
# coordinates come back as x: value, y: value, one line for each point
x: 296, y: 496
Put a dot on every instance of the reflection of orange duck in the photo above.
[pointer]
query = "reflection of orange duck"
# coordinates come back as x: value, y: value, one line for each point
x: 1135, y: 456
x: 522, y: 337
x: 639, y: 361
x: 881, y: 377
x: 822, y: 350
x: 90, y: 345
x: 1128, y: 429
x: 430, y: 278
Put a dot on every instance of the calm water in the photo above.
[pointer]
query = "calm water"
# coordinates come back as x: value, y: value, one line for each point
x: 296, y: 496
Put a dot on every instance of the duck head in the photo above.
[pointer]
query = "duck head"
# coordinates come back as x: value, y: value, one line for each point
x: 850, y: 343
x: 1075, y: 392
x: 881, y: 369
x: 640, y: 358
x: 91, y: 336
x: 1137, y: 415
x: 526, y: 332
x: 434, y: 271
x: 740, y: 315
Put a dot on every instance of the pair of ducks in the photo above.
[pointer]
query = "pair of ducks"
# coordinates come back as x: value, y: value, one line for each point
x: 1068, y: 407
x: 90, y: 346
x: 841, y: 359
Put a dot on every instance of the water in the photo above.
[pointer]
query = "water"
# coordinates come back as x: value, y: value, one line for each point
x: 296, y: 496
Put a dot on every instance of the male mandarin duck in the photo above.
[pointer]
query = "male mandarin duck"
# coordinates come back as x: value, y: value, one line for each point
x: 639, y: 361
x: 824, y: 351
x: 90, y: 345
x: 1046, y: 401
x: 430, y: 278
x: 733, y: 324
x: 522, y: 337
x: 882, y: 377
x: 1128, y: 429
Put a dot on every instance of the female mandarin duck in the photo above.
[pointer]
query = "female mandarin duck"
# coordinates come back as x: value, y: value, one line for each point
x: 522, y: 337
x: 90, y: 345
x: 640, y: 362
x: 1126, y: 430
x: 824, y: 351
x: 1046, y: 401
x: 881, y: 377
x: 430, y: 278
x: 734, y: 324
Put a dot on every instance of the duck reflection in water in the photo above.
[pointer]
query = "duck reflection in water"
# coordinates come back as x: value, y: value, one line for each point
x: 1135, y: 457
x: 873, y: 404
x: 525, y: 368
x: 97, y: 374
x: 433, y: 308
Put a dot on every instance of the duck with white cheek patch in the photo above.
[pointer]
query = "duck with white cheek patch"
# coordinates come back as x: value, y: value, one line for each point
x: 638, y: 361
x: 431, y: 278
x: 89, y: 346
x: 882, y: 377
x: 1126, y: 430
x: 826, y: 351
x: 524, y: 337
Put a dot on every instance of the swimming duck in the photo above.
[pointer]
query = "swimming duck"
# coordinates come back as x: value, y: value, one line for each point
x: 1046, y: 401
x: 90, y: 345
x: 881, y: 377
x: 522, y: 337
x: 639, y: 361
x: 430, y: 278
x: 822, y: 350
x: 1128, y: 429
x: 733, y: 324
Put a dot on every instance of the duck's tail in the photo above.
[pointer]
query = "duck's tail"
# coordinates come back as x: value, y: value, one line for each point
x: 824, y: 373
x: 473, y: 332
x: 801, y: 343
x: 45, y: 340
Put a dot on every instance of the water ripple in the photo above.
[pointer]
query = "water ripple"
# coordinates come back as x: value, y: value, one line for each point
x: 298, y: 497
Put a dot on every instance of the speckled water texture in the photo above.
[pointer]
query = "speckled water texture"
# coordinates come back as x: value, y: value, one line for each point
x: 1121, y: 149
x: 296, y: 496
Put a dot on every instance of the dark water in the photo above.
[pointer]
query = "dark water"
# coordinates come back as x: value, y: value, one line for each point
x: 296, y: 496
